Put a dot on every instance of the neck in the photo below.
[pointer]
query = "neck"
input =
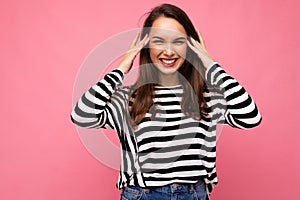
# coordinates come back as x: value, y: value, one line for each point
x: 169, y: 79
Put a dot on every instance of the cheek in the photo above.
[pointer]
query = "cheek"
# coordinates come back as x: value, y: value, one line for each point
x: 181, y: 50
x: 153, y: 53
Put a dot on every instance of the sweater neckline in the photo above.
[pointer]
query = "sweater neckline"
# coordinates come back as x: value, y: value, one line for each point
x: 169, y: 87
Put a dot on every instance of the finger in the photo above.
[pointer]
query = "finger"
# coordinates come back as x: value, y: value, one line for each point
x: 197, y: 49
x: 134, y: 41
x: 199, y: 45
x: 144, y: 39
x: 143, y: 42
x: 193, y: 41
x: 192, y: 46
x: 137, y: 48
x: 135, y: 44
x: 201, y: 40
x: 196, y: 43
x: 200, y: 36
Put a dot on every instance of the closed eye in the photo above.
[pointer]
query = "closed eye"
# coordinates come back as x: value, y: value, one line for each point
x: 179, y: 42
x: 157, y: 41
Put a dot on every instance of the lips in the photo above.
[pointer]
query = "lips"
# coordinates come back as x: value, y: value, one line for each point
x: 168, y: 62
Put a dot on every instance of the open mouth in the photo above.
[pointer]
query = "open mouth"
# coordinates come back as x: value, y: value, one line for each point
x: 168, y: 62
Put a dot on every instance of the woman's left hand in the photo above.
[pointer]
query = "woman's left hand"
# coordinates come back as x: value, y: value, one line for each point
x: 200, y: 50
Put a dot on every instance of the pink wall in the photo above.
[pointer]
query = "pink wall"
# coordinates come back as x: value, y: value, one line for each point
x: 44, y: 43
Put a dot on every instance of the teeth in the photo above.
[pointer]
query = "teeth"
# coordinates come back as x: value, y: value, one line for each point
x: 168, y: 61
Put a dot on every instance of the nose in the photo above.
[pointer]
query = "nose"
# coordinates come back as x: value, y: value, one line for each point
x: 168, y: 50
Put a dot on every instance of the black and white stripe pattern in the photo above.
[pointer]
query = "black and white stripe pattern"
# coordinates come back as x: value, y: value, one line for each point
x: 168, y: 147
x: 241, y: 111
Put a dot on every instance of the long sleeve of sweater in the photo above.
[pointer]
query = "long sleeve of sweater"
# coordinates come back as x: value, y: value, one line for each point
x: 240, y: 109
x: 94, y: 108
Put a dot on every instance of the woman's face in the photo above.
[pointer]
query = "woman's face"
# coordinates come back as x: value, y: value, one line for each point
x: 168, y: 44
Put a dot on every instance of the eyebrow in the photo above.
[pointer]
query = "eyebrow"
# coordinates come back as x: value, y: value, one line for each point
x: 179, y: 38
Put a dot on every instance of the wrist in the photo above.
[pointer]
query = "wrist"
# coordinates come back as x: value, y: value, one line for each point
x: 208, y: 63
x: 122, y: 70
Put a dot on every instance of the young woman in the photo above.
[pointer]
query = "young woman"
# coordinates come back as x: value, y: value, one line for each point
x: 166, y: 121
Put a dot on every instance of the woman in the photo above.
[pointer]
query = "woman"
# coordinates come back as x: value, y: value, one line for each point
x: 166, y: 121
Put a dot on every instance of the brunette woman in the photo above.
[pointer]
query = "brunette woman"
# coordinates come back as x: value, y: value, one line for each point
x: 166, y: 121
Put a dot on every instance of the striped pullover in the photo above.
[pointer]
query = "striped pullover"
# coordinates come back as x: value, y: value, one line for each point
x: 168, y: 147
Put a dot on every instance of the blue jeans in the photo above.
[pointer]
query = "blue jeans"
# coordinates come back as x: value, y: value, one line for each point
x: 196, y: 191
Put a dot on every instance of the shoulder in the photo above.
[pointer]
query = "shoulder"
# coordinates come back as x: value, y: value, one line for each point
x: 213, y: 92
x: 125, y: 91
x: 214, y: 97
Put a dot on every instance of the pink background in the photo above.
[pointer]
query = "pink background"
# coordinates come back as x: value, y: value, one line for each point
x: 43, y: 44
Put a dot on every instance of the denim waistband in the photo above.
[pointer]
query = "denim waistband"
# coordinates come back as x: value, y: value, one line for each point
x: 177, y: 187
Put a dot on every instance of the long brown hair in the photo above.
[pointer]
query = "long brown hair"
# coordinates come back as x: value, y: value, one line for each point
x: 193, y: 102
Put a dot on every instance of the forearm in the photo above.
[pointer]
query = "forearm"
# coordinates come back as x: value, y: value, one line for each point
x: 89, y: 111
x: 241, y: 110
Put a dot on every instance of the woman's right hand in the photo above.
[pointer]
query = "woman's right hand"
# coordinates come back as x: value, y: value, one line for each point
x: 135, y: 47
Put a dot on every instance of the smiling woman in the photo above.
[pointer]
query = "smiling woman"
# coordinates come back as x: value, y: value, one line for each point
x: 168, y: 48
x: 166, y: 121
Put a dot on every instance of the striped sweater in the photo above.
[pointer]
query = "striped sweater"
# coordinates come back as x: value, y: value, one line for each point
x: 168, y: 147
